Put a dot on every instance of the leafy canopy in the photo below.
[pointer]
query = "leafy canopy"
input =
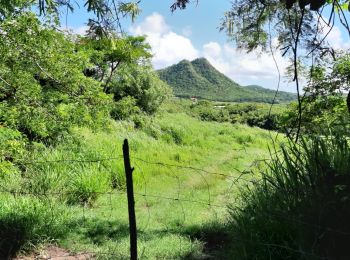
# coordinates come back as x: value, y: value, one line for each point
x: 43, y: 88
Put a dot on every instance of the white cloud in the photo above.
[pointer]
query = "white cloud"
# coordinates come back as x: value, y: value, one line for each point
x: 187, y: 31
x: 168, y: 47
x: 77, y: 30
x: 334, y: 37
x: 153, y: 24
x: 212, y: 49
x: 246, y: 69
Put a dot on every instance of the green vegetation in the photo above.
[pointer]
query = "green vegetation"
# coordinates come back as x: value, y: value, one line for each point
x: 318, y: 116
x: 203, y: 184
x: 200, y: 79
x: 301, y: 209
x: 137, y: 89
x: 260, y: 115
x: 97, y: 221
x: 43, y: 89
x: 27, y: 221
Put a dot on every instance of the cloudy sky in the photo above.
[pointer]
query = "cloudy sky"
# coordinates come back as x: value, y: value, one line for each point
x: 193, y: 33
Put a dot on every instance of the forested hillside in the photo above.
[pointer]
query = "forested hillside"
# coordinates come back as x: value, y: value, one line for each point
x: 200, y: 79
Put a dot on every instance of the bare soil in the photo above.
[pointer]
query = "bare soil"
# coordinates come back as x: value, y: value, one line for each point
x: 56, y: 253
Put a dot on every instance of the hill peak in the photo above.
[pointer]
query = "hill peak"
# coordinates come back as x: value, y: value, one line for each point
x: 201, y: 60
x: 198, y: 61
x: 184, y: 61
x: 201, y: 79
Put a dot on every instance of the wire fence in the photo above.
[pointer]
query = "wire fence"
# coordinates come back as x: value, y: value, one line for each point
x: 169, y: 200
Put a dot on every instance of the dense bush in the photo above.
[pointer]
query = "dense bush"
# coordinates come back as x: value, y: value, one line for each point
x: 136, y: 89
x: 252, y: 114
x: 51, y: 81
x: 301, y: 208
x: 318, y: 114
x: 43, y: 89
x: 85, y: 188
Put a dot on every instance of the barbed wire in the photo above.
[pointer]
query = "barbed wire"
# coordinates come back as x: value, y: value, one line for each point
x: 178, y: 198
x: 97, y: 160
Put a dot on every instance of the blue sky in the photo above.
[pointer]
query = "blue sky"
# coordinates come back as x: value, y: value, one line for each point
x: 192, y: 33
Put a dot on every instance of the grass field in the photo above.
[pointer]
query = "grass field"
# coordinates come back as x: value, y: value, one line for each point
x: 181, y: 166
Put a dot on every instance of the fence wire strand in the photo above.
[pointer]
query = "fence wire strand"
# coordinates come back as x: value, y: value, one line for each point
x: 179, y: 197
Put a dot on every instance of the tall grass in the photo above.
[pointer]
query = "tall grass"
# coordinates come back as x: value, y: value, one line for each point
x: 301, y: 208
x: 71, y: 175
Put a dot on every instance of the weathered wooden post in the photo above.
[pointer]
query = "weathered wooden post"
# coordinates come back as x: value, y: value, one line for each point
x: 131, y: 201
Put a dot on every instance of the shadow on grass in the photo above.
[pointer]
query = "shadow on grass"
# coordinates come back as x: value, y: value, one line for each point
x: 98, y: 231
x: 26, y: 222
x: 215, y: 237
x: 15, y: 233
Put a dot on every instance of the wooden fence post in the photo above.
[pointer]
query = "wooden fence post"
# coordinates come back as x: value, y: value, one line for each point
x: 131, y: 201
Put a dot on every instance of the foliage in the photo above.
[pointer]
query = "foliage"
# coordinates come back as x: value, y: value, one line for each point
x: 108, y: 53
x: 137, y: 89
x: 200, y: 79
x: 125, y: 108
x: 68, y: 177
x: 85, y: 188
x: 106, y: 13
x: 43, y: 89
x: 122, y: 67
x: 324, y: 104
x: 252, y: 114
x: 304, y: 193
x: 330, y: 79
x: 318, y: 115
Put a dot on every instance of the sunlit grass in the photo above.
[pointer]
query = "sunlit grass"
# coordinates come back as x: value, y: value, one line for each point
x: 97, y: 222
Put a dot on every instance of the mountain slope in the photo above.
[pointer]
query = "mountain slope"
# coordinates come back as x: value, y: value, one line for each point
x: 200, y: 79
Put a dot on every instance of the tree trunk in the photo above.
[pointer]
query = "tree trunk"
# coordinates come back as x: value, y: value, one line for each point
x: 348, y: 101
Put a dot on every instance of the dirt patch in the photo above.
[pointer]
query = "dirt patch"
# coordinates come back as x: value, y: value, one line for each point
x: 56, y: 253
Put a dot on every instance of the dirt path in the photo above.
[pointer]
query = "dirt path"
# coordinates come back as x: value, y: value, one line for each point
x: 56, y: 253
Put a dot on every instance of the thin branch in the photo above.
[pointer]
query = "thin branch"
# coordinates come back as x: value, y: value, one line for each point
x: 296, y: 75
x: 324, y: 38
x: 345, y: 21
x: 113, y: 68
x: 3, y: 80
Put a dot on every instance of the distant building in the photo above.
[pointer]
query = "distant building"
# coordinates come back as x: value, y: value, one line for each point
x: 194, y: 100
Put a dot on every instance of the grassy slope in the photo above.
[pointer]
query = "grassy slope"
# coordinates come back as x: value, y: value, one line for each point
x: 200, y: 79
x: 165, y: 226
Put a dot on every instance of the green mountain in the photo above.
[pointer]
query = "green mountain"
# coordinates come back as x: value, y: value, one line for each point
x: 200, y: 79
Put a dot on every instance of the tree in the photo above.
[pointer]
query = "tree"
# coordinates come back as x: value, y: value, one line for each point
x: 107, y: 14
x: 43, y: 91
x: 108, y: 54
x: 136, y: 89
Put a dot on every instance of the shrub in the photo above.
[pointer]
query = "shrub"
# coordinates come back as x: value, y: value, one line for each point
x: 253, y: 114
x: 318, y: 113
x: 46, y: 91
x: 142, y: 85
x: 172, y: 134
x: 85, y: 188
x: 301, y: 209
x: 125, y: 108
